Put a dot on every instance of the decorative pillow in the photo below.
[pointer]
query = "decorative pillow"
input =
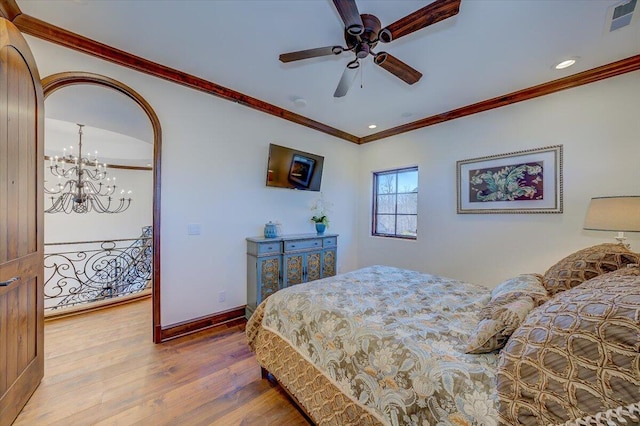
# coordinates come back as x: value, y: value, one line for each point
x: 585, y: 264
x: 576, y: 355
x: 497, y: 324
x: 529, y: 284
x: 510, y: 303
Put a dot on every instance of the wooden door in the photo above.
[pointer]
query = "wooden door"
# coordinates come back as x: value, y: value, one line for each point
x: 21, y: 224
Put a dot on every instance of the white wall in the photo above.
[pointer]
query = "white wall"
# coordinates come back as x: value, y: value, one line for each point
x: 599, y: 127
x: 214, y: 158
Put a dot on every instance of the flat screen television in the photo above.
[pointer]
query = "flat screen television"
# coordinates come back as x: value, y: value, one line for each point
x: 290, y: 168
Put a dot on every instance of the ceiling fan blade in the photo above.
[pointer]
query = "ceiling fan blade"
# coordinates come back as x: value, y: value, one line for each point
x: 350, y: 16
x: 348, y: 75
x: 311, y: 53
x: 398, y: 68
x: 421, y: 18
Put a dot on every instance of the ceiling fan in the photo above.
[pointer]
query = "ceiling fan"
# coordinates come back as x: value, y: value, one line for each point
x: 363, y: 32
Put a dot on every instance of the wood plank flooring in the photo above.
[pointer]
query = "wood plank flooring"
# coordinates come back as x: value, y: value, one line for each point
x: 102, y: 368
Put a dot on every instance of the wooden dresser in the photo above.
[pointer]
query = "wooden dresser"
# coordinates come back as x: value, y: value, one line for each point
x: 276, y: 263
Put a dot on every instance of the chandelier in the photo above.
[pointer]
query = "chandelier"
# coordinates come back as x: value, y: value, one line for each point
x: 83, y: 185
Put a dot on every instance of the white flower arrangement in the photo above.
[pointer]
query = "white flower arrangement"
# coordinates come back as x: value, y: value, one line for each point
x: 321, y: 208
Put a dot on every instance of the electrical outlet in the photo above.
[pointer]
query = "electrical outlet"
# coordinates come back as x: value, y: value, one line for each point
x: 222, y: 296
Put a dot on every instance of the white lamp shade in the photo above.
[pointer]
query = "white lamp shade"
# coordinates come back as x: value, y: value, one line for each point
x: 614, y: 214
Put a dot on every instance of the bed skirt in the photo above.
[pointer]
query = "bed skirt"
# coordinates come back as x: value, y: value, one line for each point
x: 315, y: 394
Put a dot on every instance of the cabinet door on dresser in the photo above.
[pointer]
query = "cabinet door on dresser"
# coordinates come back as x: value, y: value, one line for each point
x: 264, y: 270
x: 313, y: 266
x: 302, y: 267
x: 293, y: 269
x: 329, y: 253
x: 302, y: 261
x: 268, y: 276
x: 328, y: 263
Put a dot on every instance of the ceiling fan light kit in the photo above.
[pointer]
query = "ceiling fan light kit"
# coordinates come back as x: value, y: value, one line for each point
x: 385, y: 35
x: 363, y: 32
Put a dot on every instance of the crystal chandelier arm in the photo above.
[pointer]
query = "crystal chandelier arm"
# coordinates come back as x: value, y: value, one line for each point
x: 62, y: 204
x: 100, y: 190
x: 68, y: 186
x: 94, y: 174
x: 99, y: 206
x: 59, y: 170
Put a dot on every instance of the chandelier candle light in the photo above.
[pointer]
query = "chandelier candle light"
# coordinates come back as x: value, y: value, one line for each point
x: 86, y: 187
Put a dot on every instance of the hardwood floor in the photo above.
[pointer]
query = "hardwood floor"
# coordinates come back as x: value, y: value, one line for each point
x: 102, y: 368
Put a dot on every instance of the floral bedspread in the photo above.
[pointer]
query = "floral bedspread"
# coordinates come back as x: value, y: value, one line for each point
x: 393, y: 340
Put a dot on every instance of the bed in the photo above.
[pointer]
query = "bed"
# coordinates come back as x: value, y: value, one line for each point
x: 388, y: 346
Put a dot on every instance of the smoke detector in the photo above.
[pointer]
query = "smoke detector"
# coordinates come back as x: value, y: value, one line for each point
x: 620, y: 15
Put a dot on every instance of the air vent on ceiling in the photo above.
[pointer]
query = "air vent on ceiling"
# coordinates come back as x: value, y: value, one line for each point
x: 621, y: 15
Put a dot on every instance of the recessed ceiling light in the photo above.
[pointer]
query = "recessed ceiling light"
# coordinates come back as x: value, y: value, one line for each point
x: 299, y: 102
x: 565, y: 64
x: 372, y: 126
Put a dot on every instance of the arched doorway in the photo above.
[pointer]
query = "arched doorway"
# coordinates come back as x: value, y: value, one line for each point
x: 58, y: 81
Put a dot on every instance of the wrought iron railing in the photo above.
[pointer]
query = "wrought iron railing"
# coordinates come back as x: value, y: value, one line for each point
x: 91, y: 271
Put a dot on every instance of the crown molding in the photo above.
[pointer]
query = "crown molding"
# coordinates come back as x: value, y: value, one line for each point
x: 45, y: 31
x: 590, y: 76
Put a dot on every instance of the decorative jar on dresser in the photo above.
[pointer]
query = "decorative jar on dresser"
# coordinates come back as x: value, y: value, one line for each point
x: 276, y: 263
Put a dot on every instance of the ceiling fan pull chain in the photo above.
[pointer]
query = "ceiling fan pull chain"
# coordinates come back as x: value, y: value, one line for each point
x: 362, y: 77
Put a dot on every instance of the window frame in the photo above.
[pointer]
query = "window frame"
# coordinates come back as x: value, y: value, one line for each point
x: 374, y: 208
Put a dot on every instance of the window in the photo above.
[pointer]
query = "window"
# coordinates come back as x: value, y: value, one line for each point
x: 395, y: 203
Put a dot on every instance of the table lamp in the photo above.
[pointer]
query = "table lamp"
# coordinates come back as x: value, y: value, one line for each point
x: 621, y: 214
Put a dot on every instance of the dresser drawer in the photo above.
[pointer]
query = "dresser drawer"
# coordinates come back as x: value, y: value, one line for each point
x: 296, y: 245
x: 330, y: 242
x: 265, y: 248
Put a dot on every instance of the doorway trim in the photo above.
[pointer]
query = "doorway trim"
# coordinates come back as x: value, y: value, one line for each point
x: 60, y: 80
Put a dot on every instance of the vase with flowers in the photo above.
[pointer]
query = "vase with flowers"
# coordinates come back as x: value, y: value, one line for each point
x: 320, y: 207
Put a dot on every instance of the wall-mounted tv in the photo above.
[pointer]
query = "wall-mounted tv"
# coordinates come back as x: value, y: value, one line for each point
x: 290, y: 168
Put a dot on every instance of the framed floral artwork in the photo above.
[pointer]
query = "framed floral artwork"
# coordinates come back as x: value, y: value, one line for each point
x: 518, y: 182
